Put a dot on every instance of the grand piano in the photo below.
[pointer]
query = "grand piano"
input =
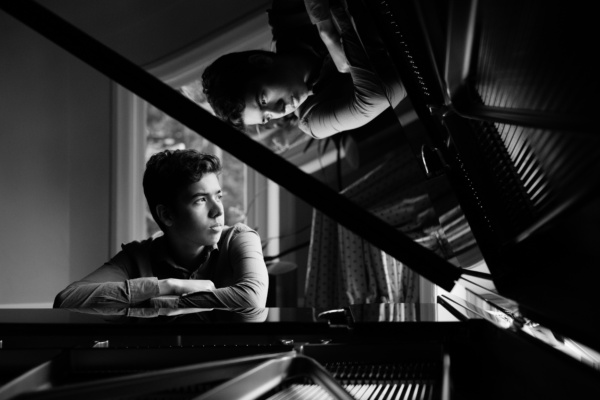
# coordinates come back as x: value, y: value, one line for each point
x: 503, y: 95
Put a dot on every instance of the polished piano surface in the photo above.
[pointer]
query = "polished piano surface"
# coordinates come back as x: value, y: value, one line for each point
x: 452, y: 349
x: 501, y: 105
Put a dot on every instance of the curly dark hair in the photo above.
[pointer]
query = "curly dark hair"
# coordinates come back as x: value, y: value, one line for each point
x: 225, y: 81
x: 168, y: 172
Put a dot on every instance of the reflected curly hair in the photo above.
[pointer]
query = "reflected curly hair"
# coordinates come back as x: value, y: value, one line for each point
x: 168, y: 172
x: 225, y: 81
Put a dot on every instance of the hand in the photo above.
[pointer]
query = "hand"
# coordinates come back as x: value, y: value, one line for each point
x: 181, y: 287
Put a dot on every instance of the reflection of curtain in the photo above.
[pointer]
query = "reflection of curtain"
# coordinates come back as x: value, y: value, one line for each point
x: 344, y: 269
x: 388, y: 312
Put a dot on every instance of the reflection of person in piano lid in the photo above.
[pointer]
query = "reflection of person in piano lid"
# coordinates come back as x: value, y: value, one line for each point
x: 318, y: 71
x: 196, y: 261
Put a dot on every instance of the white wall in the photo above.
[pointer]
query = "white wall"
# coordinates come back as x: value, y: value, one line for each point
x: 54, y: 154
x: 55, y: 133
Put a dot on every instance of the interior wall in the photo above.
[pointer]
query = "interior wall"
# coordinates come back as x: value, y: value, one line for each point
x: 55, y: 127
x: 54, y: 166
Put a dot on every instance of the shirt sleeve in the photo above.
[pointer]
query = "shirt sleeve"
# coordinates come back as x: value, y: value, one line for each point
x: 250, y: 280
x: 112, y: 284
x: 353, y: 102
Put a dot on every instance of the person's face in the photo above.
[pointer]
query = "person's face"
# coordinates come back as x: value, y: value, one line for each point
x: 275, y: 93
x: 197, y: 216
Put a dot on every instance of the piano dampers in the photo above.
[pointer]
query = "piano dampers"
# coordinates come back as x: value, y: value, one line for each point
x: 538, y: 171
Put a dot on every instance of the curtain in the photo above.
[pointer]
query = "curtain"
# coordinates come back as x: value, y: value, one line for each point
x: 344, y: 269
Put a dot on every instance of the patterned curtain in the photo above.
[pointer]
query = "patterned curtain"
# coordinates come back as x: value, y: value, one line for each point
x: 344, y: 269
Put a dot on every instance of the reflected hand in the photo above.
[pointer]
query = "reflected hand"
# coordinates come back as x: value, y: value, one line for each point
x: 170, y: 312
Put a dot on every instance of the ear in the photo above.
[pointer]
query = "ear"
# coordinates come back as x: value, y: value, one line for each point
x: 261, y: 60
x: 163, y: 213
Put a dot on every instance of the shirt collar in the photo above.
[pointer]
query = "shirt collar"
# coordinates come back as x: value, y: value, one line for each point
x: 162, y: 254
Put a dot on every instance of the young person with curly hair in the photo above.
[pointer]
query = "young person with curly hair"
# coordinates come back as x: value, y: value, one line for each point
x: 197, y: 261
x: 318, y: 70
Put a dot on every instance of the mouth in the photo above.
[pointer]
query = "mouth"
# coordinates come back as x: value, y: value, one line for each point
x: 216, y: 227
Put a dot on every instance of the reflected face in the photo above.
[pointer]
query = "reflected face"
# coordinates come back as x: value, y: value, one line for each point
x: 197, y: 216
x: 274, y: 94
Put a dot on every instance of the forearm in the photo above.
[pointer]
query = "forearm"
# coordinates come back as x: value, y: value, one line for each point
x: 343, y: 106
x: 83, y: 294
x: 249, y: 294
x: 243, y: 281
x: 348, y: 103
x: 369, y: 53
x: 332, y: 40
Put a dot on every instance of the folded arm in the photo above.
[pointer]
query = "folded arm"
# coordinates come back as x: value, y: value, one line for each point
x: 116, y: 284
x: 249, y: 281
x: 355, y: 101
x: 320, y: 16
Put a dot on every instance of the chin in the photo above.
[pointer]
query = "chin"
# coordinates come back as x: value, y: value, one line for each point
x: 213, y: 239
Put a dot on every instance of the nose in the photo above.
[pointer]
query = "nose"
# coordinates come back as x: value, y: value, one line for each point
x: 216, y: 209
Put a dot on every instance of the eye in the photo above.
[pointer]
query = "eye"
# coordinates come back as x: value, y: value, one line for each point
x: 200, y: 200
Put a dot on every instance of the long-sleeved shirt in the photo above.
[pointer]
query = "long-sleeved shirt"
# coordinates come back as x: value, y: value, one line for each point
x: 235, y: 265
x: 339, y: 102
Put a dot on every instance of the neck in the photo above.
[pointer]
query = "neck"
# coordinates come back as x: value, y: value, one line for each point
x: 184, y: 253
